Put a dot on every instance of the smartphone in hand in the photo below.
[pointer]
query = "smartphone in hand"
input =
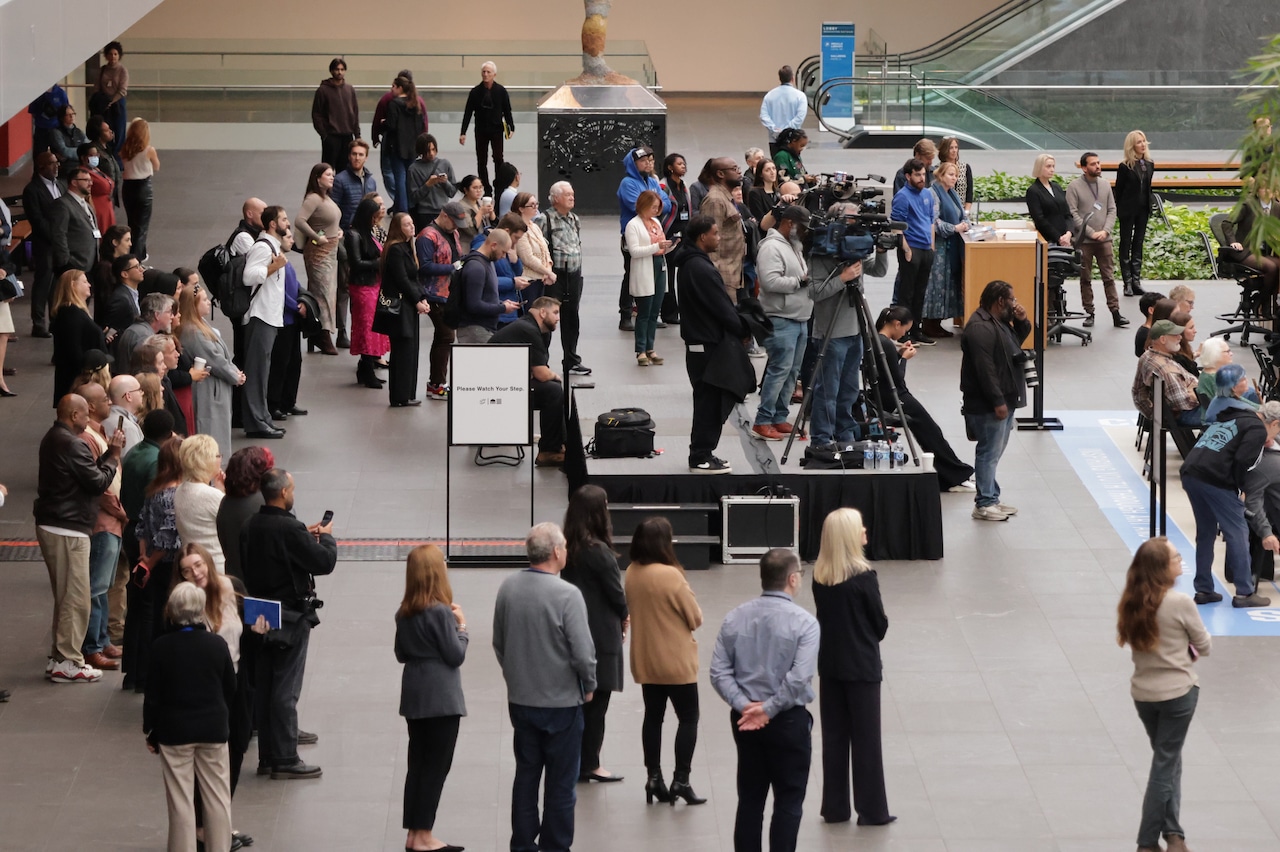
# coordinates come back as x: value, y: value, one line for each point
x: 327, y: 519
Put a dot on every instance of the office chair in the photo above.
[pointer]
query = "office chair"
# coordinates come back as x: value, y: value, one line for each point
x: 1064, y: 262
x: 1246, y: 317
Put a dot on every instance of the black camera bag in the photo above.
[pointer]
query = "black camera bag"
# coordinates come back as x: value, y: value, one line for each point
x: 622, y: 433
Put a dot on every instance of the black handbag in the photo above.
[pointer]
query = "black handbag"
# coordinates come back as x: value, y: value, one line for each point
x: 623, y: 433
x: 386, y: 316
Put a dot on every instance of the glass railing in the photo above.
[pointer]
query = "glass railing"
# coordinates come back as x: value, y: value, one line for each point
x: 265, y: 80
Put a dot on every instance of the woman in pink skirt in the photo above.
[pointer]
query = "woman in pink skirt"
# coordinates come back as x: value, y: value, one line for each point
x: 364, y: 241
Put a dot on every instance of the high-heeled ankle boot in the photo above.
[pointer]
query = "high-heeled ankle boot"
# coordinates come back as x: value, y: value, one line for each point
x: 656, y: 788
x: 366, y: 376
x: 680, y: 789
x: 324, y: 342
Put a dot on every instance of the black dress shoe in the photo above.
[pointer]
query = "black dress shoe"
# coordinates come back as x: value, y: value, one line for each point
x: 1088, y: 321
x: 279, y: 415
x: 671, y: 320
x: 295, y: 770
x: 407, y: 403
x: 626, y: 323
x: 884, y: 821
x: 40, y: 332
x: 1118, y: 320
x: 307, y: 738
x: 11, y: 371
x: 4, y: 392
x: 381, y: 365
x: 265, y: 433
x: 603, y: 779
x: 296, y: 411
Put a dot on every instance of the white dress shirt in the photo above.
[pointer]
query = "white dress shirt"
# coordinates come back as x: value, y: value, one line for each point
x: 268, y: 306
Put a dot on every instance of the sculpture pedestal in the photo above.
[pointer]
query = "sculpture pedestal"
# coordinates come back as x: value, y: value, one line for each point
x: 584, y: 131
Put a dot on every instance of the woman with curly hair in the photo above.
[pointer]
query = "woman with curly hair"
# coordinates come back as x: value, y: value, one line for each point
x: 243, y: 499
x: 1165, y: 635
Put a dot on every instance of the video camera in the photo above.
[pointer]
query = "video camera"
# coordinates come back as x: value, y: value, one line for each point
x: 862, y: 228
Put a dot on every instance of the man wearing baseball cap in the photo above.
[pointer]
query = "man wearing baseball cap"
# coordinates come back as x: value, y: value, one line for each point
x: 639, y: 165
x: 1179, y: 385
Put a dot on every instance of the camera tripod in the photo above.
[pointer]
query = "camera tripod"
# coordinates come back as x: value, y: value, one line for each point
x: 876, y: 374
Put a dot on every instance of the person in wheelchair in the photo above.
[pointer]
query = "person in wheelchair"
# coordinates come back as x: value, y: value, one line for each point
x: 1237, y: 229
x: 891, y: 328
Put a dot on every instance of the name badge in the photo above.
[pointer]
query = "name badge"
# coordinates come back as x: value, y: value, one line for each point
x: 1097, y: 205
x: 97, y: 235
x: 684, y: 215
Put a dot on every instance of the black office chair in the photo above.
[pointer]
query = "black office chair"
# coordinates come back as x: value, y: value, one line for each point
x: 1064, y: 263
x: 1268, y: 377
x: 1247, y: 316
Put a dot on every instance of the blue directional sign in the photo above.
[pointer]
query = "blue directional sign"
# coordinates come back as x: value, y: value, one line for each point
x: 838, y: 46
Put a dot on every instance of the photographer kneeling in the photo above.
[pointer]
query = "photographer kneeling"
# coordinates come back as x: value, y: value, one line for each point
x: 280, y: 556
x: 837, y: 379
x: 784, y: 295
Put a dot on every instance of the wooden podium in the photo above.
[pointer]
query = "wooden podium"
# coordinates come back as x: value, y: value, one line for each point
x: 1004, y: 260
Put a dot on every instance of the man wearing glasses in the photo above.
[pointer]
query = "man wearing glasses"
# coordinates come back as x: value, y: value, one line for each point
x: 74, y: 228
x: 126, y: 402
x: 721, y: 177
x: 122, y: 309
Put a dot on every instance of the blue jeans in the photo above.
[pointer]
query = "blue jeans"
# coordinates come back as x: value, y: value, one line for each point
x: 993, y: 437
x: 835, y: 390
x: 395, y: 172
x: 647, y: 310
x: 104, y: 553
x: 786, y: 352
x: 547, y: 738
x: 1219, y: 508
x: 1166, y: 723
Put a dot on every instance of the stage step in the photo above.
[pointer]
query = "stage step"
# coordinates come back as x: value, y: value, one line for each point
x: 685, y: 518
x: 693, y: 551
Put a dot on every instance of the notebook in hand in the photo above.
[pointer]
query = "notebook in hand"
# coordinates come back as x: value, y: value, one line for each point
x: 254, y: 607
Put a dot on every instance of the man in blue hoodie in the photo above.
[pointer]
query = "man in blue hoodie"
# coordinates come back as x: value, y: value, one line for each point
x: 639, y: 165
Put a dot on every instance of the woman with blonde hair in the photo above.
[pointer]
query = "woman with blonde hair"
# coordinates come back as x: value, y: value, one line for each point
x: 318, y: 230
x: 431, y: 642
x: 851, y: 615
x: 1047, y: 203
x: 211, y: 398
x: 200, y: 494
x: 944, y: 295
x: 664, y: 655
x: 1166, y: 636
x: 74, y: 331
x: 1133, y: 207
x: 139, y: 162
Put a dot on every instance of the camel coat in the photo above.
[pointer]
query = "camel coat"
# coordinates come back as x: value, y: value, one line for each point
x: 664, y: 614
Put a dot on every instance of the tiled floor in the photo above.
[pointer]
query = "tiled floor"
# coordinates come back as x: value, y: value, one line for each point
x: 1007, y: 720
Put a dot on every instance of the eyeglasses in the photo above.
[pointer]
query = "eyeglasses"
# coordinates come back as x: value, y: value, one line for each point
x: 135, y: 265
x: 530, y: 204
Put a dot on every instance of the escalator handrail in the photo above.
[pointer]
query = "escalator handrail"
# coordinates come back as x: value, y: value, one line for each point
x: 1009, y: 105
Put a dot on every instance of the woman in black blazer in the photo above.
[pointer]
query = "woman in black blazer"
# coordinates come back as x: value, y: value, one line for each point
x: 400, y: 285
x: 364, y: 240
x: 185, y: 716
x: 592, y: 566
x: 74, y: 331
x: 1133, y: 207
x: 851, y: 615
x: 431, y: 641
x: 1236, y: 230
x: 1047, y: 203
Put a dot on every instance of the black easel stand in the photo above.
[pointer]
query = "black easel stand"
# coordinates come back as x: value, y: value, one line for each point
x: 1037, y: 422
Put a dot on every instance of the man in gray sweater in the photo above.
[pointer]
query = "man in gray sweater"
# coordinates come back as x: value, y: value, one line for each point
x: 543, y: 644
x: 1093, y: 218
x: 784, y: 295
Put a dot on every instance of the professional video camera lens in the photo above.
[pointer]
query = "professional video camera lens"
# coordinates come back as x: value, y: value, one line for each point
x: 1029, y: 369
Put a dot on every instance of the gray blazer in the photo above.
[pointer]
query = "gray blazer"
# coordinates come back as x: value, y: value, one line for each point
x: 74, y: 245
x: 212, y: 397
x: 432, y: 648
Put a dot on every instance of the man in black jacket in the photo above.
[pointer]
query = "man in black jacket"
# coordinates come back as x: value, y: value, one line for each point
x: 491, y: 106
x: 121, y: 308
x: 993, y: 385
x: 71, y: 482
x: 38, y: 198
x: 280, y: 556
x: 707, y: 319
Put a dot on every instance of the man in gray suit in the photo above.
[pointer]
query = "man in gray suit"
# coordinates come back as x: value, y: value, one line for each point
x: 74, y: 228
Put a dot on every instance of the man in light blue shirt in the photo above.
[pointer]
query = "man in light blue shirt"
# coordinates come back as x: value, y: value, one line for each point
x: 763, y: 666
x: 784, y: 106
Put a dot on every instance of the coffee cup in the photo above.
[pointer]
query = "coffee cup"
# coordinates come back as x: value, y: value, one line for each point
x: 926, y: 462
x: 199, y: 363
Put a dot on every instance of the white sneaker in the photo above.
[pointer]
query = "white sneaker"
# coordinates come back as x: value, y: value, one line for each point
x: 69, y: 671
x: 989, y: 513
x: 963, y: 488
x: 1007, y: 509
x: 48, y: 669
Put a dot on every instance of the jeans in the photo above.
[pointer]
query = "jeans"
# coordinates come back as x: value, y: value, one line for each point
x: 104, y: 553
x: 550, y: 739
x: 993, y: 436
x: 1219, y: 509
x: 280, y: 674
x: 395, y: 171
x: 778, y: 756
x: 1166, y: 723
x: 647, y: 310
x: 835, y: 390
x: 786, y: 349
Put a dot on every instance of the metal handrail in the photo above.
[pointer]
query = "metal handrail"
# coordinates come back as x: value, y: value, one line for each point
x: 1009, y: 105
x: 1092, y: 87
x: 310, y: 87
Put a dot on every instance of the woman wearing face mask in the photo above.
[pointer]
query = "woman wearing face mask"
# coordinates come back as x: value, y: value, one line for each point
x: 103, y: 189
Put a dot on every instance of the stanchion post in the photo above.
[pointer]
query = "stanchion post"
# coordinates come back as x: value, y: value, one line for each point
x: 1037, y: 422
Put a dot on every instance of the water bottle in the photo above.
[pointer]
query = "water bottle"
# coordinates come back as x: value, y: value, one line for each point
x: 899, y: 455
x: 882, y: 455
x: 868, y: 455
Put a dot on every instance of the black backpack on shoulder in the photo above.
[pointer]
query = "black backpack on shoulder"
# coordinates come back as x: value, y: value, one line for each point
x: 623, y: 433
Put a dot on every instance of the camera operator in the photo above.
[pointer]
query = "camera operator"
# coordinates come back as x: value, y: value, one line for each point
x: 279, y: 557
x: 918, y: 207
x: 838, y: 377
x: 784, y: 295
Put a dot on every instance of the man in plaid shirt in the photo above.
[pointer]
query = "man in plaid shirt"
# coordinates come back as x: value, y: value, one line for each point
x: 564, y: 239
x: 1179, y: 385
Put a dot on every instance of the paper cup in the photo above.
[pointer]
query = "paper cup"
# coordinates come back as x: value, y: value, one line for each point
x: 199, y: 363
x: 926, y: 462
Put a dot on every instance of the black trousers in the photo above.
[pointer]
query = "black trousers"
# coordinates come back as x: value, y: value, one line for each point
x: 548, y: 399
x: 136, y: 195
x: 402, y: 375
x: 143, y: 619
x: 593, y: 713
x: 333, y: 149
x: 670, y: 302
x: 486, y: 138
x: 684, y: 700
x: 431, y: 744
x: 711, y: 408
x: 625, y: 301
x: 1133, y: 233
x: 286, y: 369
x: 777, y: 756
x: 851, y: 737
x: 41, y: 284
x: 237, y: 392
x: 914, y: 280
x: 951, y: 471
x: 568, y: 289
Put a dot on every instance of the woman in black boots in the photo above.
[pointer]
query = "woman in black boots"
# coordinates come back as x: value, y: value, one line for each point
x: 401, y: 292
x: 364, y: 241
x: 1133, y: 207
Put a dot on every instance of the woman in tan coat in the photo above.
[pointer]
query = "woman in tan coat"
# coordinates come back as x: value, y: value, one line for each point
x: 664, y: 655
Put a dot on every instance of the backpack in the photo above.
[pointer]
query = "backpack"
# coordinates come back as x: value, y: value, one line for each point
x: 455, y: 307
x: 223, y: 274
x: 623, y: 433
